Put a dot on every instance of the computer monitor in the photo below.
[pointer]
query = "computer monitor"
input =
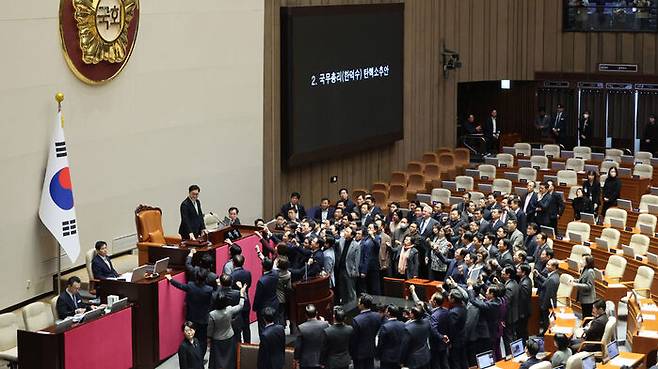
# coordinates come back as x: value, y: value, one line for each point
x: 598, y: 275
x: 616, y: 223
x: 628, y: 251
x: 589, y: 362
x: 63, y: 325
x: 161, y: 265
x: 646, y: 230
x: 139, y: 273
x: 451, y: 185
x: 485, y: 360
x: 575, y: 237
x: 91, y: 315
x: 625, y: 204
x: 119, y: 305
x: 549, y: 231
x: 652, y: 259
x: 520, y: 191
x: 653, y: 209
x: 603, y: 244
x: 423, y: 197
x: 573, y: 265
x: 455, y: 200
x: 524, y: 163
x: 556, y: 165
x: 587, y: 218
x: 517, y: 348
x: 613, y: 350
x: 485, y: 188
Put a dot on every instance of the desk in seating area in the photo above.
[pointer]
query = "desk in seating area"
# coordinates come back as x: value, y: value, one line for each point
x: 642, y: 334
x: 104, y: 343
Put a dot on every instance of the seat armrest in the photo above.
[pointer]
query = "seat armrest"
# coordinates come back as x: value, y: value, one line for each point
x: 148, y: 244
x: 173, y: 240
x: 644, y: 292
x: 582, y: 344
x: 586, y: 320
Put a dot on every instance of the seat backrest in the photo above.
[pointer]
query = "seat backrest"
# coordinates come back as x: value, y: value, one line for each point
x: 487, y: 170
x: 643, y: 157
x: 567, y: 178
x: 37, y: 316
x: 380, y: 186
x: 506, y: 160
x: 89, y: 256
x: 580, y: 228
x: 398, y: 177
x: 464, y: 182
x: 606, y: 165
x: 53, y: 307
x: 583, y: 152
x: 565, y: 288
x: 575, y: 164
x: 502, y: 185
x: 441, y: 150
x: 643, y: 170
x: 542, y: 365
x: 540, y: 162
x: 609, y: 331
x: 447, y: 160
x: 523, y: 149
x: 647, y: 220
x: 640, y: 244
x: 441, y: 195
x: 643, y: 278
x: 611, y: 236
x: 462, y: 156
x: 432, y: 171
x: 529, y: 174
x: 575, y: 361
x: 416, y: 180
x: 614, y: 152
x: 380, y: 196
x: 647, y: 200
x: 397, y: 191
x: 552, y: 150
x: 476, y: 196
x: 8, y: 329
x: 572, y: 192
x: 148, y: 219
x: 579, y: 251
x: 616, y: 266
x: 415, y: 167
x: 430, y: 157
x: 615, y: 213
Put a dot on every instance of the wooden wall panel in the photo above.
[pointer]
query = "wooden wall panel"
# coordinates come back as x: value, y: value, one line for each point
x: 496, y: 39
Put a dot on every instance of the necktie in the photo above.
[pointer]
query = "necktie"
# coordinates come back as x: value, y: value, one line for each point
x: 422, y: 226
x: 75, y: 303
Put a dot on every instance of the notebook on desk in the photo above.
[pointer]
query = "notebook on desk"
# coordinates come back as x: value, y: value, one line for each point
x: 549, y: 231
x: 486, y: 360
x: 587, y: 218
x: 518, y: 351
x: 646, y: 230
x: 625, y: 204
x: 603, y: 244
x: 589, y: 362
x: 616, y: 223
x: 573, y: 265
x: 628, y: 251
x: 575, y: 237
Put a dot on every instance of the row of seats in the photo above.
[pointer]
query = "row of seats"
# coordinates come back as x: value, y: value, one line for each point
x: 583, y: 152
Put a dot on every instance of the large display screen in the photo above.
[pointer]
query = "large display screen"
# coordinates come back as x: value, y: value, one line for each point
x: 342, y: 73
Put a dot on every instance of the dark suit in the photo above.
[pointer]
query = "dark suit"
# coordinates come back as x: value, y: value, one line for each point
x: 301, y: 212
x: 316, y: 213
x: 548, y: 294
x: 456, y: 324
x: 190, y: 355
x: 585, y: 129
x: 489, y: 132
x: 416, y: 351
x: 521, y: 220
x: 244, y: 277
x: 310, y: 342
x: 266, y: 295
x: 362, y: 345
x: 496, y: 224
x: 197, y: 303
x: 525, y: 293
x: 529, y: 209
x: 369, y: 265
x: 193, y: 270
x: 529, y: 363
x: 438, y: 329
x: 101, y: 270
x: 427, y: 232
x: 490, y: 309
x: 191, y: 221
x: 595, y: 332
x: 336, y: 353
x: 512, y: 298
x: 389, y: 344
x: 547, y: 210
x: 559, y: 123
x: 66, y: 306
x: 505, y: 259
x: 272, y: 346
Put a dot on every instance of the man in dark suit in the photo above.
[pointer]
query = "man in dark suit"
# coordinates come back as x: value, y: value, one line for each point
x: 483, y: 226
x: 266, y: 291
x: 438, y: 333
x: 390, y: 339
x: 336, y: 352
x: 489, y: 310
x: 594, y: 331
x: 204, y: 266
x: 558, y: 124
x: 415, y: 350
x: 369, y: 264
x: 492, y: 131
x: 191, y: 215
x: 310, y: 340
x: 505, y: 257
x: 198, y: 296
x: 101, y: 265
x: 525, y: 293
x: 344, y: 195
x: 547, y: 291
x: 456, y: 333
x: 529, y: 202
x: 530, y: 242
x: 323, y: 212
x: 558, y: 205
x: 496, y: 220
x: 243, y: 276
x: 457, y: 269
x: 69, y: 302
x: 366, y: 325
x: 426, y: 223
x: 545, y: 204
x: 272, y: 346
x: 515, y: 209
x: 294, y: 204
x: 512, y: 298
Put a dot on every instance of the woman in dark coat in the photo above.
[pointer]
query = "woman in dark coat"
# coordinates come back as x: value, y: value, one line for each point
x: 581, y: 204
x: 611, y: 190
x: 189, y: 351
x: 585, y: 129
x: 592, y: 190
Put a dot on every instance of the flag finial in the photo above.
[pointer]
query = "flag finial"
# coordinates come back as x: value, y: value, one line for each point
x: 59, y: 97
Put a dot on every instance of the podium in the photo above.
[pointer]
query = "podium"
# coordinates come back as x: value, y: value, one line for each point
x: 103, y: 343
x: 314, y: 291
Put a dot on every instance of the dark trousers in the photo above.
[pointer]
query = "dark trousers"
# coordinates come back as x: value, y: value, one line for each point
x: 508, y: 336
x: 436, y: 275
x: 586, y: 310
x: 201, y: 332
x: 439, y: 360
x: 246, y: 332
x: 543, y: 320
x: 384, y: 365
x: 372, y: 282
x: 553, y: 224
x: 457, y: 358
x: 368, y: 363
x: 522, y: 328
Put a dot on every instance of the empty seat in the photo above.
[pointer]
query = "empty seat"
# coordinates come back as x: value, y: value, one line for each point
x: 648, y: 220
x: 397, y: 193
x: 476, y: 196
x: 362, y: 192
x: 647, y: 200
x: 430, y: 157
x: 441, y: 150
x: 380, y: 186
x: 398, y: 177
x: 582, y: 152
x: 37, y: 316
x: 606, y: 165
x: 580, y: 228
x: 504, y: 186
x: 380, y: 196
x: 416, y: 182
x: 643, y: 157
x: 575, y: 164
x: 415, y: 167
x: 567, y: 178
x: 552, y: 151
x: 615, y: 213
x: 643, y: 171
x: 539, y: 162
x: 640, y: 244
x: 448, y: 164
x: 616, y: 267
x: 527, y: 174
x: 578, y: 252
x: 505, y: 160
x: 487, y: 171
x: 522, y: 149
x: 614, y: 155
x: 462, y: 157
x: 432, y: 172
x: 441, y: 195
x: 465, y: 183
x: 8, y: 344
x: 572, y: 192
x: 643, y: 281
x: 564, y: 290
x: 611, y: 236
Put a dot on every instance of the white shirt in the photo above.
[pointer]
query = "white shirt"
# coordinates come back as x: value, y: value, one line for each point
x: 493, y: 120
x: 324, y: 215
x: 107, y: 261
x: 196, y: 207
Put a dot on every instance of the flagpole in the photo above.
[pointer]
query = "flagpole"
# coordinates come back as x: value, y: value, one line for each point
x: 59, y: 97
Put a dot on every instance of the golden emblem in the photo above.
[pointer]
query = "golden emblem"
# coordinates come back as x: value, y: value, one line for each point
x: 103, y: 29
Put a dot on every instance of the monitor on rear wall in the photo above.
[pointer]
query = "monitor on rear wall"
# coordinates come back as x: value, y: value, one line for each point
x: 341, y: 80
